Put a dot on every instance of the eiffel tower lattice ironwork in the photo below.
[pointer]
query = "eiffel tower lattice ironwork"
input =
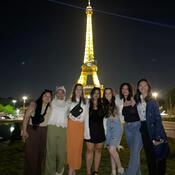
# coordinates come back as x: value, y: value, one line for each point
x: 89, y: 68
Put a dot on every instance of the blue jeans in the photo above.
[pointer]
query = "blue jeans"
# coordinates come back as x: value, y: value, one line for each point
x: 114, y: 132
x: 134, y: 141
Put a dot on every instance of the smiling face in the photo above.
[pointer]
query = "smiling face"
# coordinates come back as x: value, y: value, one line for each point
x: 108, y: 94
x: 60, y: 94
x: 47, y: 97
x: 125, y: 91
x: 79, y: 91
x: 96, y: 94
x: 143, y: 88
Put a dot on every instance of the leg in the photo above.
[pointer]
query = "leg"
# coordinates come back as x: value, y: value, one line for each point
x: 71, y: 171
x: 161, y: 167
x: 89, y: 156
x: 114, y: 154
x: 148, y: 148
x: 43, y: 140
x: 32, y: 152
x: 113, y: 165
x: 98, y: 150
x: 50, y: 166
x: 61, y: 149
x: 134, y: 141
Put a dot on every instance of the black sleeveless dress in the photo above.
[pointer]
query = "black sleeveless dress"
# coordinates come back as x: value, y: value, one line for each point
x: 97, y: 133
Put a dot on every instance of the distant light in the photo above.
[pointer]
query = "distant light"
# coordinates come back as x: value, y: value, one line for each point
x: 17, y: 111
x: 12, y: 128
x: 14, y: 101
x: 163, y: 113
x: 155, y: 94
x: 24, y: 98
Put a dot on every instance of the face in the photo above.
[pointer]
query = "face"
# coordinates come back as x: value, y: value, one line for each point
x: 125, y: 90
x: 60, y: 94
x: 96, y: 95
x: 47, y: 97
x: 108, y: 94
x: 143, y: 87
x: 79, y: 91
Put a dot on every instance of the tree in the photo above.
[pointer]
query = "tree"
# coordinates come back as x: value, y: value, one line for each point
x: 9, y: 109
x: 1, y: 108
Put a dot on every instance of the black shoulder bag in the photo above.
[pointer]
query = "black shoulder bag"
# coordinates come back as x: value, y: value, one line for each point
x: 36, y: 120
x: 77, y: 110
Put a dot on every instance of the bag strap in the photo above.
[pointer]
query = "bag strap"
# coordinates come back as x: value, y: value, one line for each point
x: 80, y: 101
x: 45, y: 110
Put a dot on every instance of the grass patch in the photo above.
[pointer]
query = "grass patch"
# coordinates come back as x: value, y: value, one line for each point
x: 12, y: 159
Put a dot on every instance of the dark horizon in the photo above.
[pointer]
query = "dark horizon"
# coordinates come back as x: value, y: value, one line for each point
x: 43, y: 45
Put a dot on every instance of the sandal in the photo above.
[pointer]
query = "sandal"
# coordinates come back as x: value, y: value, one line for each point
x: 95, y: 173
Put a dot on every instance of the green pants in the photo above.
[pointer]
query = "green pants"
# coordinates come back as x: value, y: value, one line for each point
x: 56, y: 150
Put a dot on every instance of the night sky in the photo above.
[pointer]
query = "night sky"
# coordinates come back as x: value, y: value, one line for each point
x: 42, y: 44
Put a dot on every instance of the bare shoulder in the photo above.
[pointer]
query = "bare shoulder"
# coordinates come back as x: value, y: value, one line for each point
x: 31, y: 106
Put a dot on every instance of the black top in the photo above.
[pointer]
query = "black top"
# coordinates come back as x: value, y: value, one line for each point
x: 130, y: 113
x: 97, y: 133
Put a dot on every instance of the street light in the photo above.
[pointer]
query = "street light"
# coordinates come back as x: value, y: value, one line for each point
x: 155, y: 95
x: 24, y: 101
x: 14, y: 102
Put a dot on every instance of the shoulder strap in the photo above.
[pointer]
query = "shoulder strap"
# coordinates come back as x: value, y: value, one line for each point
x: 45, y: 110
x: 80, y: 101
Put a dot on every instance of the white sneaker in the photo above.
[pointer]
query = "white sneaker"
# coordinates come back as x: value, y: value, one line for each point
x: 61, y: 173
x: 120, y: 147
x: 120, y: 170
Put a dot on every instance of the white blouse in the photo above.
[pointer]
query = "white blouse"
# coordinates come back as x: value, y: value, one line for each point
x: 141, y: 107
x: 59, y: 113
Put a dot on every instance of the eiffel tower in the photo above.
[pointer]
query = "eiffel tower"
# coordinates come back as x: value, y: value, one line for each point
x: 89, y: 68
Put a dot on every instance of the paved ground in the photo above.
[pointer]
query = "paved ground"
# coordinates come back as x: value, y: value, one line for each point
x: 169, y: 128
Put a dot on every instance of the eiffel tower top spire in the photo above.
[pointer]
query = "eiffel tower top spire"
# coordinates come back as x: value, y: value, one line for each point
x: 89, y: 48
x: 89, y: 2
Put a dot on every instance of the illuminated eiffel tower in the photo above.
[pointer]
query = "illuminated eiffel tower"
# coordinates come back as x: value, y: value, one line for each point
x: 89, y: 67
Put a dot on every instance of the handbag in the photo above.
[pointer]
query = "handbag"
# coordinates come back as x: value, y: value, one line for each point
x: 162, y: 150
x: 77, y: 110
x: 36, y: 120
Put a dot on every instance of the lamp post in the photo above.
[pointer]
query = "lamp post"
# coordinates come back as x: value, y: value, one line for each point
x: 24, y: 101
x: 155, y: 95
x: 14, y: 102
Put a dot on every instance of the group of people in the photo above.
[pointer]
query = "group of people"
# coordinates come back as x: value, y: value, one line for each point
x: 55, y: 130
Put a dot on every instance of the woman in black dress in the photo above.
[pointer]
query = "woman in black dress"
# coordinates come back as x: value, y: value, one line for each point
x: 97, y: 134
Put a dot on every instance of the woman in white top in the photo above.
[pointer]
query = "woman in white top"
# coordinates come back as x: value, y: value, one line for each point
x: 56, y: 134
x: 77, y: 129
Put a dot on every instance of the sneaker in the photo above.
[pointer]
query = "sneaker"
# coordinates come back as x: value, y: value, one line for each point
x: 61, y: 173
x: 121, y: 170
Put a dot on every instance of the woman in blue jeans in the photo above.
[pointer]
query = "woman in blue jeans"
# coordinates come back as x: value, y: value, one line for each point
x: 114, y: 130
x: 132, y: 128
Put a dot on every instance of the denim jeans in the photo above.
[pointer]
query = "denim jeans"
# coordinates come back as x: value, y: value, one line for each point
x: 134, y: 141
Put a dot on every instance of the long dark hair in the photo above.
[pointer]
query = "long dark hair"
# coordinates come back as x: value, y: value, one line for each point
x: 138, y: 93
x: 39, y: 102
x: 99, y: 101
x: 130, y: 89
x: 73, y: 98
x: 110, y: 106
